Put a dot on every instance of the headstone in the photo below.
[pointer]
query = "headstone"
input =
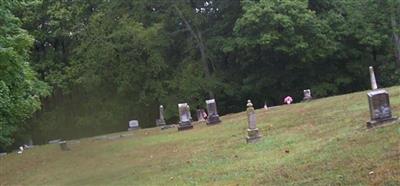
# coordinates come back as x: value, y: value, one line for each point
x: 379, y: 104
x: 64, y: 146
x: 253, y: 134
x: 133, y: 125
x: 213, y: 117
x: 200, y: 114
x: 161, y: 121
x: 184, y: 117
x: 54, y: 141
x: 307, y: 95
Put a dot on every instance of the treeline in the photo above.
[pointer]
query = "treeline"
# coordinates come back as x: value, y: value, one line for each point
x: 106, y: 62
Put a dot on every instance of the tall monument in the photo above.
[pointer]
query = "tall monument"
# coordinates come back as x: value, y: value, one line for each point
x: 253, y: 134
x: 161, y: 120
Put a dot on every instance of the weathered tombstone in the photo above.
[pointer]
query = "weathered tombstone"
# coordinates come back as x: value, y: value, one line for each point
x: 200, y: 115
x: 161, y: 121
x: 64, y: 146
x: 133, y: 125
x: 213, y: 117
x: 379, y: 104
x: 252, y: 132
x: 184, y: 117
x: 307, y: 95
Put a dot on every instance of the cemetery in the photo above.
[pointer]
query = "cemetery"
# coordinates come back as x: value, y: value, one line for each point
x: 318, y: 143
x: 199, y: 92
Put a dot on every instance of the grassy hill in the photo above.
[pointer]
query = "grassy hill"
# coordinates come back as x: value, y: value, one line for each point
x: 323, y: 142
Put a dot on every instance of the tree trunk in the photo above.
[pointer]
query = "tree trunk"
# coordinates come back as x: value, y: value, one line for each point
x: 396, y: 40
x: 202, y: 48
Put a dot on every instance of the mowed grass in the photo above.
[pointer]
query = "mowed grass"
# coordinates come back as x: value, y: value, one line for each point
x: 322, y: 142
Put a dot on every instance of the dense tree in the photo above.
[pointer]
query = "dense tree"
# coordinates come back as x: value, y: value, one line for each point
x: 20, y: 90
x: 112, y: 61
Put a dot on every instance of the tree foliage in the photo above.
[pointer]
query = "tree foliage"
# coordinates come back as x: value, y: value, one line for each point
x: 112, y: 61
x: 20, y: 90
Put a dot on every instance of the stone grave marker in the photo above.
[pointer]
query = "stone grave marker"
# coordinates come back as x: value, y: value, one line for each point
x: 200, y: 114
x: 213, y: 117
x: 307, y: 95
x: 161, y: 120
x: 379, y: 104
x: 64, y: 146
x: 133, y: 125
x: 253, y: 134
x: 184, y: 117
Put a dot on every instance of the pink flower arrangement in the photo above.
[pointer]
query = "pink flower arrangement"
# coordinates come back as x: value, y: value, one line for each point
x: 288, y: 100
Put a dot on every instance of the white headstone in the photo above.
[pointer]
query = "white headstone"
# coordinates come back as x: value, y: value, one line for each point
x: 184, y: 114
x: 133, y: 124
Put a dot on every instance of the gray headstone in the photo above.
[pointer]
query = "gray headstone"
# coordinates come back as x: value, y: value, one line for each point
x: 64, y: 146
x: 379, y: 104
x: 184, y: 117
x: 213, y: 117
x: 133, y: 124
x: 307, y: 94
x: 200, y: 115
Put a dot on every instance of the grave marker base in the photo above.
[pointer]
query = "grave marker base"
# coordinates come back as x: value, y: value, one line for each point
x: 377, y: 123
x: 185, y: 126
x: 167, y: 127
x: 253, y: 135
x: 212, y: 120
x: 64, y: 146
x: 160, y: 122
x: 133, y: 128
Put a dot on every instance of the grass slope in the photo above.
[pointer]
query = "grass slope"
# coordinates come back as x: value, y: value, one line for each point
x: 323, y: 142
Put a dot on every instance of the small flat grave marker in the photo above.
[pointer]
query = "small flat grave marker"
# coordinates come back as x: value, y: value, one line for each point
x: 64, y: 146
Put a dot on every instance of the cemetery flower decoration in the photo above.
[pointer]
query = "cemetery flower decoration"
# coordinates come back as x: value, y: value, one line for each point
x: 288, y: 100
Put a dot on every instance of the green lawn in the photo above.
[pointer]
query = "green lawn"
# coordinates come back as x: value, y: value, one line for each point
x: 322, y: 142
